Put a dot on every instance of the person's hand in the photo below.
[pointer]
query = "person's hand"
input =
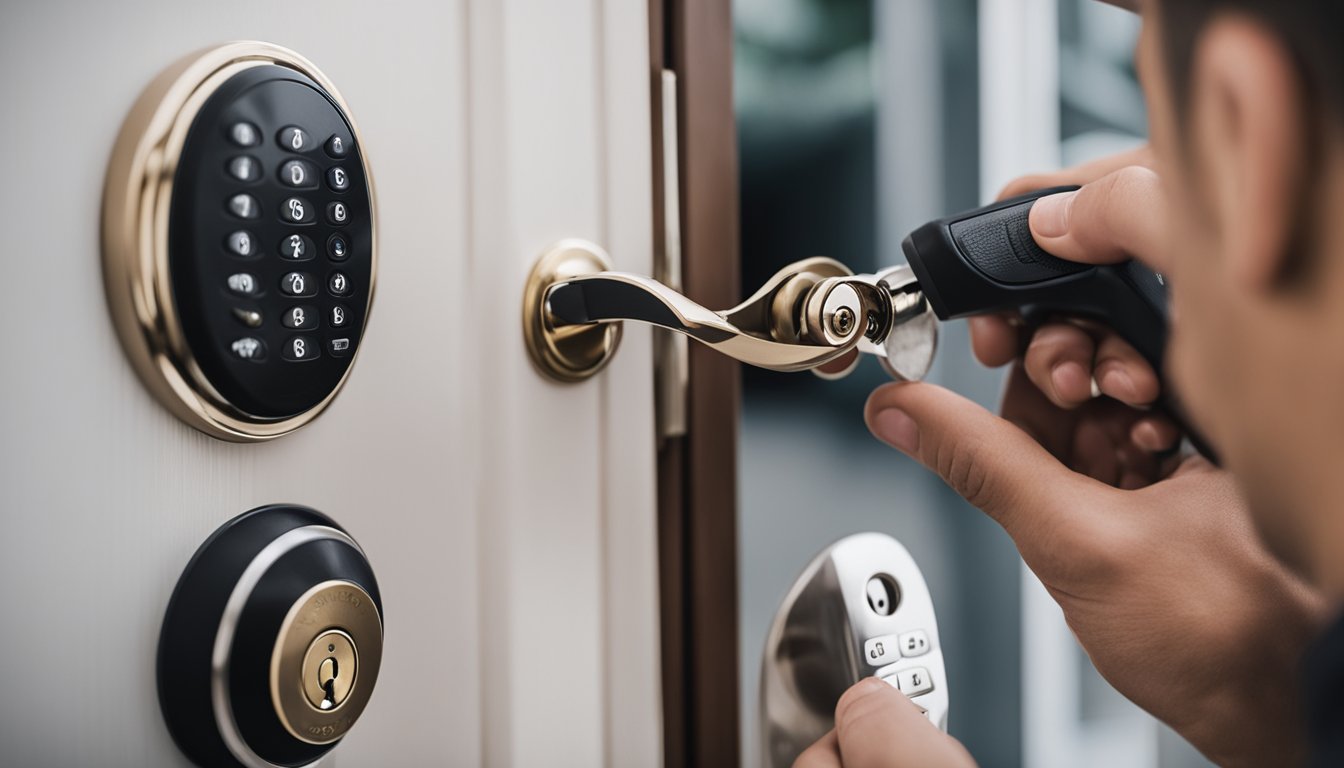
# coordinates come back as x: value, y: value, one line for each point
x: 876, y: 726
x: 1167, y: 586
x: 1116, y: 215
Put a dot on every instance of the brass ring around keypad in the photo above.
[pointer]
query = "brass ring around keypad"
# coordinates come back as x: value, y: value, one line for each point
x: 239, y: 240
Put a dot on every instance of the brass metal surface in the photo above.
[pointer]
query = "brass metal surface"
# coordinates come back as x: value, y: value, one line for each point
x: 573, y: 353
x: 341, y: 616
x: 136, y: 196
x: 330, y: 670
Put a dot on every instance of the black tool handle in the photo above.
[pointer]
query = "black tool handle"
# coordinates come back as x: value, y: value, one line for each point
x: 986, y: 260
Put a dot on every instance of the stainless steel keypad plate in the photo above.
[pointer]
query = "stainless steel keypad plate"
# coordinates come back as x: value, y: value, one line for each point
x: 859, y: 609
x: 239, y: 248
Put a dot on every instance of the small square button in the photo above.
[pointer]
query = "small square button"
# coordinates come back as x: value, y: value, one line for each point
x: 301, y: 318
x: 244, y: 134
x: 245, y: 168
x: 880, y: 651
x: 248, y: 348
x: 244, y: 206
x: 299, y: 349
x: 914, y: 681
x: 296, y: 248
x: 299, y: 174
x: 296, y: 210
x: 338, y: 213
x: 338, y: 284
x: 241, y: 243
x: 294, y: 139
x: 915, y: 643
x: 298, y: 284
x: 337, y: 146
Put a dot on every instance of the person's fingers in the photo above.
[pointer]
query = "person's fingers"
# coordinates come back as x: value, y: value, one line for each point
x: 879, y: 727
x: 1080, y: 174
x: 1059, y: 363
x: 993, y: 340
x: 824, y: 753
x: 1094, y: 452
x: 1114, y: 218
x: 991, y: 462
x: 1122, y: 373
x: 1155, y: 434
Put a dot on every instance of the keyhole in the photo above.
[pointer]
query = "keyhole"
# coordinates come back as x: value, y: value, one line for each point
x: 883, y: 594
x: 327, y: 672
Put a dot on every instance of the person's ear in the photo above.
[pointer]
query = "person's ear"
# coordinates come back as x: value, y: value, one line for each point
x: 1251, y: 133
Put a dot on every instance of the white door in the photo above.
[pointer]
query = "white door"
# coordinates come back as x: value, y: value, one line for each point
x: 509, y: 521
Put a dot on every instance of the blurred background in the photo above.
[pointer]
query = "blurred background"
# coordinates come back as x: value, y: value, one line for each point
x: 858, y: 120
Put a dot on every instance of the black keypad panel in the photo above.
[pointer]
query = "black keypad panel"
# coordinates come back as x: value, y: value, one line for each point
x: 271, y: 242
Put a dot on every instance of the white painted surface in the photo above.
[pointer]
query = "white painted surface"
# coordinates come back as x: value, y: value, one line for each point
x: 496, y: 508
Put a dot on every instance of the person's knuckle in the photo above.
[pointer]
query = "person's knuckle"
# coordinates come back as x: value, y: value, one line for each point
x: 863, y: 711
x: 855, y: 700
x: 961, y: 464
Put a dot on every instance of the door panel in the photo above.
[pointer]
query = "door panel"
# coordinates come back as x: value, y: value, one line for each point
x: 509, y: 521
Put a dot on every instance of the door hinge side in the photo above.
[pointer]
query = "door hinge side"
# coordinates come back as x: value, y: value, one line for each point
x: 670, y: 354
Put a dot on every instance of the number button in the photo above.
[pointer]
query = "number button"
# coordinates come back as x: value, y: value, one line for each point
x: 337, y: 146
x: 241, y: 243
x: 338, y: 316
x: 338, y: 284
x: 243, y: 284
x: 338, y: 179
x: 297, y: 284
x: 914, y: 643
x: 248, y: 348
x: 913, y: 682
x: 296, y: 248
x: 296, y: 210
x: 245, y: 168
x: 300, y: 348
x: 294, y: 139
x: 337, y: 248
x: 244, y: 134
x: 299, y: 174
x: 300, y: 318
x: 244, y: 206
x: 337, y: 213
x: 880, y: 651
x: 249, y: 317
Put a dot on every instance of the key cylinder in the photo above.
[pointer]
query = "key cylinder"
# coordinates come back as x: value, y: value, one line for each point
x: 330, y: 670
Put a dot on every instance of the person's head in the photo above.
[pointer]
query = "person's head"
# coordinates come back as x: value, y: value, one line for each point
x: 1246, y: 113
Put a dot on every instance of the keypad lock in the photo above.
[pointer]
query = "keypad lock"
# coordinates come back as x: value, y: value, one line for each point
x: 239, y: 243
x: 271, y: 643
x: 860, y: 608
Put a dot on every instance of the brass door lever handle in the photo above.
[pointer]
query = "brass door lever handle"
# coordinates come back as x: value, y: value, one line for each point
x: 810, y: 314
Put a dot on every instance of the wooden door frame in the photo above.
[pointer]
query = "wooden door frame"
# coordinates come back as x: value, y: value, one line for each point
x: 697, y: 472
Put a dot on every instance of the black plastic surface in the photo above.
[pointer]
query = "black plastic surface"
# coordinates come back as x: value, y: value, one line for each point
x: 986, y: 260
x: 271, y: 98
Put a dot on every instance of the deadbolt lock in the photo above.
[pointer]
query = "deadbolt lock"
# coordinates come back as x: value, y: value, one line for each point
x: 272, y: 642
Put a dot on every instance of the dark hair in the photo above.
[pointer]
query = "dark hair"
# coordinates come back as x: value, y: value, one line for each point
x: 1311, y: 30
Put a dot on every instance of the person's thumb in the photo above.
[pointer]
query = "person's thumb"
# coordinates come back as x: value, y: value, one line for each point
x: 992, y: 463
x: 1117, y: 217
x: 877, y: 726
